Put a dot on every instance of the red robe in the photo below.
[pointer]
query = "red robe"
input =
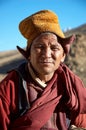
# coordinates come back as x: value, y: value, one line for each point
x: 64, y: 97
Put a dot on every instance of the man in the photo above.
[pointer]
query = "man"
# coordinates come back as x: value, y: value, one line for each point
x: 42, y: 93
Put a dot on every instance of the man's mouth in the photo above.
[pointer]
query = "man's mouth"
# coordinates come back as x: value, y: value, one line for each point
x: 46, y: 62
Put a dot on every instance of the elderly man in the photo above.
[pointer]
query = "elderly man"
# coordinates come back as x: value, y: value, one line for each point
x: 42, y: 93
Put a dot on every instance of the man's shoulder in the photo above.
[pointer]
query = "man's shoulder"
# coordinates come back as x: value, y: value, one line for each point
x: 69, y: 74
x: 13, y: 74
x: 66, y: 69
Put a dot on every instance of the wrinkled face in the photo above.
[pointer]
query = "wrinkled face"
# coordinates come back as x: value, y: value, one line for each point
x: 46, y: 54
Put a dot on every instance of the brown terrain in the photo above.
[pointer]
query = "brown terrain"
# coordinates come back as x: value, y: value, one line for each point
x: 76, y: 60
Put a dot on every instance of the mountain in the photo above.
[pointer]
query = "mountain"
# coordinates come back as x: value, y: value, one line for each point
x: 81, y: 30
x: 76, y: 60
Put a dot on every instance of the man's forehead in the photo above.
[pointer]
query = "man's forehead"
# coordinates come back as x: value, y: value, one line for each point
x: 46, y: 36
x: 44, y: 40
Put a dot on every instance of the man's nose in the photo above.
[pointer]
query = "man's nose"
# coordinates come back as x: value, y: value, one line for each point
x: 47, y: 52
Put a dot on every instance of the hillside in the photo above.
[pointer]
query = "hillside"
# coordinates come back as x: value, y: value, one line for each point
x: 76, y: 59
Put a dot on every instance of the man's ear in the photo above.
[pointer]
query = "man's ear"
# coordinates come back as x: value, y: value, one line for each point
x: 63, y: 57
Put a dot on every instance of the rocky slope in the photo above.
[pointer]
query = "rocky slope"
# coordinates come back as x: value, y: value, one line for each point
x: 76, y: 60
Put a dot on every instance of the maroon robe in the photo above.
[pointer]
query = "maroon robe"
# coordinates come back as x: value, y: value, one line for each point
x: 64, y: 97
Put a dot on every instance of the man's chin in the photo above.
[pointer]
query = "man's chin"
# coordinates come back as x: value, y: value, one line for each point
x: 47, y: 72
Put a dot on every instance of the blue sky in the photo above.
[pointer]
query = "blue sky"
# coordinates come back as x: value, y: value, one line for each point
x: 71, y: 13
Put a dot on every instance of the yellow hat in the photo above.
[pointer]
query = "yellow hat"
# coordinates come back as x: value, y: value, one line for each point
x: 42, y: 21
x: 39, y: 22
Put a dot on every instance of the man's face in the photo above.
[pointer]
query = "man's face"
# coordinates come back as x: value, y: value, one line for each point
x: 46, y: 54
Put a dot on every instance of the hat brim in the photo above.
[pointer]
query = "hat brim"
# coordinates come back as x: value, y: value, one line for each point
x: 66, y: 42
x: 25, y: 53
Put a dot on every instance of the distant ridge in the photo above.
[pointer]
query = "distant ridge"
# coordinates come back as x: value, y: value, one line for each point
x: 78, y: 30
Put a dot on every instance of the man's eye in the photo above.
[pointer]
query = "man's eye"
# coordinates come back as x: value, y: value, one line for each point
x: 39, y: 46
x: 54, y: 47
